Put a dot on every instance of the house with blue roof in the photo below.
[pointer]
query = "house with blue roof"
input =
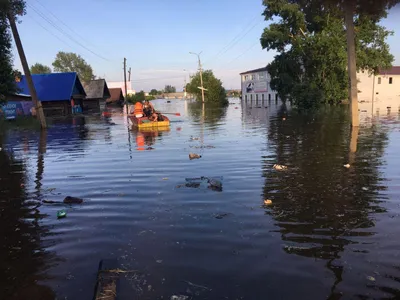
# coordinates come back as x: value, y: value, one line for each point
x: 55, y: 91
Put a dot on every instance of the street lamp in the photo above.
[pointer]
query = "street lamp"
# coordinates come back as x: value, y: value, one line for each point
x: 201, y: 75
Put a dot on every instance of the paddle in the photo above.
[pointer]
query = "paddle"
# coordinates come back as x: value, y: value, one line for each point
x: 176, y: 114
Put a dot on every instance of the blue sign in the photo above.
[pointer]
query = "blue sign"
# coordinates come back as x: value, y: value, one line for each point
x: 12, y: 109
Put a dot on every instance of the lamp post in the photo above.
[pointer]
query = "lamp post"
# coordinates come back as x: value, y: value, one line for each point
x: 201, y: 75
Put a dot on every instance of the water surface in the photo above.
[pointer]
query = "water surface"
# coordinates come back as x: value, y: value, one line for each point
x: 330, y: 233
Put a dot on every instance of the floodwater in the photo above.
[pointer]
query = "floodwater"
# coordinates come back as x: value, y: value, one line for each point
x: 330, y: 233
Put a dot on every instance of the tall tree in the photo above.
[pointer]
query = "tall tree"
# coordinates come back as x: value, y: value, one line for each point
x: 170, y: 89
x: 361, y: 9
x: 71, y: 62
x: 312, y: 60
x: 38, y: 68
x: 153, y: 92
x: 7, y: 73
x: 215, y: 93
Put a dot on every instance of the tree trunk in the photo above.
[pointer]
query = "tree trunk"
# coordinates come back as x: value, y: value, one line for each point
x: 351, y: 62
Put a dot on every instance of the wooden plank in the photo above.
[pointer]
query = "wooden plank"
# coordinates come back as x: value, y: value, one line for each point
x: 107, y: 281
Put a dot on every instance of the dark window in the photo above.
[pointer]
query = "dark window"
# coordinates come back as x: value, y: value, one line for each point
x: 257, y: 97
x: 245, y: 97
x: 262, y: 97
x: 276, y: 97
x: 390, y: 80
x: 269, y: 97
x: 379, y: 80
x: 251, y: 97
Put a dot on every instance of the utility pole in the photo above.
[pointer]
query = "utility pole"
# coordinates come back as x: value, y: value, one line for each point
x: 36, y: 103
x: 126, y: 88
x: 201, y: 75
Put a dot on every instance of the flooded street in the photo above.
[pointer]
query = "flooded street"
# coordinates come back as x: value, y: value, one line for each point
x: 330, y: 233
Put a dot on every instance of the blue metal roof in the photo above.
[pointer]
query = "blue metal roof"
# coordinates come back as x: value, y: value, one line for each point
x: 54, y: 86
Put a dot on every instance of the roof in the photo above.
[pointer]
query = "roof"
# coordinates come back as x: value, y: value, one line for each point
x: 97, y: 89
x: 254, y: 71
x: 53, y: 86
x: 116, y: 94
x: 395, y: 70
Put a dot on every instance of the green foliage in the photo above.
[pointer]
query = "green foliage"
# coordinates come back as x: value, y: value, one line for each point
x: 153, y: 92
x: 38, y: 68
x: 139, y: 97
x: 311, y: 65
x: 71, y: 62
x: 169, y: 89
x: 215, y: 91
x: 7, y: 73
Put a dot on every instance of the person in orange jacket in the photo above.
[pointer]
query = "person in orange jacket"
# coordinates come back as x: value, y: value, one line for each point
x: 138, y: 110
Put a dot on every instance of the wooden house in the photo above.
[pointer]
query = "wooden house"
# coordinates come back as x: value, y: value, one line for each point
x: 116, y: 97
x: 55, y: 90
x: 97, y: 93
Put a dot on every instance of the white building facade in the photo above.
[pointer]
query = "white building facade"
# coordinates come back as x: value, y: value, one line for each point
x: 256, y: 85
x: 379, y: 92
x: 121, y: 84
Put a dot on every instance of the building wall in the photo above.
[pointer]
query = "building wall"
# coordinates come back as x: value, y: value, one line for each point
x: 92, y: 104
x: 256, y: 87
x: 121, y: 84
x: 383, y: 93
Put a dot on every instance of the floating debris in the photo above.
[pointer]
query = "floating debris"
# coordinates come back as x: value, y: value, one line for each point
x: 72, y: 200
x: 279, y: 167
x: 194, y: 156
x: 61, y: 214
x: 370, y: 278
x: 203, y: 147
x: 283, y: 119
x: 346, y: 166
x: 221, y: 216
x: 194, y: 138
x: 165, y: 178
x: 179, y: 297
x: 159, y: 261
x: 267, y: 202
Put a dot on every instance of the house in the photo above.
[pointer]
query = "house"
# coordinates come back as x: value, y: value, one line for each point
x: 55, y: 90
x: 256, y: 85
x: 96, y: 92
x: 381, y: 91
x: 121, y: 85
x: 116, y: 97
x: 17, y: 105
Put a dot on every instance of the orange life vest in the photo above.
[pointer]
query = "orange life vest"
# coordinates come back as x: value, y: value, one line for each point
x: 138, y: 109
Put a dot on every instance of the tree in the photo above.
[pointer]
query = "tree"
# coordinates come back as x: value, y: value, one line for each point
x: 71, y: 62
x: 215, y: 91
x: 170, y: 89
x: 7, y: 72
x: 40, y: 69
x: 153, y: 92
x: 310, y: 39
x: 372, y: 10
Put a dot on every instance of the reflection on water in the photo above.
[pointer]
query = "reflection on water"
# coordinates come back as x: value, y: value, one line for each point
x: 330, y: 230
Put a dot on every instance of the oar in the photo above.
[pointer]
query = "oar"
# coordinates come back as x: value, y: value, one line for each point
x: 175, y: 114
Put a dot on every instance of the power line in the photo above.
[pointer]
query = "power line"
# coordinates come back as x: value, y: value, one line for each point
x: 62, y: 22
x: 239, y: 56
x: 234, y: 39
x: 63, y: 32
x: 37, y: 22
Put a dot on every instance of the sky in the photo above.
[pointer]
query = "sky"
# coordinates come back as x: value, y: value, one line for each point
x: 156, y: 36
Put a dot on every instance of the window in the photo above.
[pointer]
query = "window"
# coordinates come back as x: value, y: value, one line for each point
x: 261, y: 76
x: 379, y: 80
x: 253, y: 77
x: 276, y: 97
x: 390, y: 80
x: 251, y: 97
x: 269, y: 97
x: 245, y: 97
x: 256, y: 97
x: 262, y: 97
